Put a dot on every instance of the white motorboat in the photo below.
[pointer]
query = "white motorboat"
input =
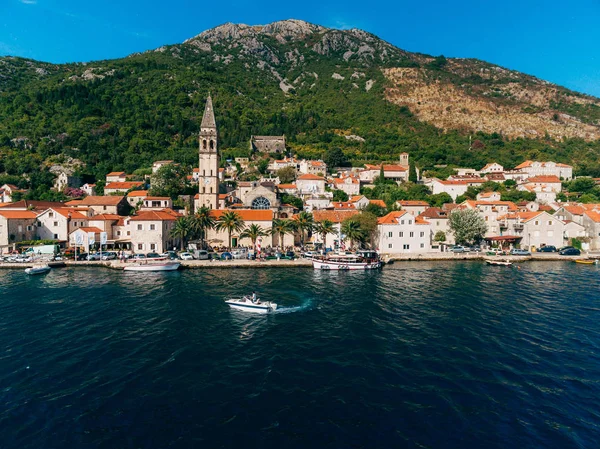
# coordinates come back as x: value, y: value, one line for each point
x: 504, y: 263
x: 38, y: 269
x: 362, y: 260
x: 148, y: 265
x: 245, y: 304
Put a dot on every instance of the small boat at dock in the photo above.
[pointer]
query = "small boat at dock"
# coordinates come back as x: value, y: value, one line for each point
x: 362, y: 260
x: 245, y: 304
x: 586, y: 261
x: 504, y: 263
x: 37, y: 269
x: 148, y: 265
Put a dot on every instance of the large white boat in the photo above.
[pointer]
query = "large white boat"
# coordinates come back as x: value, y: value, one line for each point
x: 362, y: 260
x: 245, y: 304
x: 151, y: 265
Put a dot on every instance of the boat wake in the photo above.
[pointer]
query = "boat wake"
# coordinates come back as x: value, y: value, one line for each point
x: 283, y: 309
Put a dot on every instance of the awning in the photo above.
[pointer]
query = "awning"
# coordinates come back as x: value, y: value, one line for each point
x: 503, y: 238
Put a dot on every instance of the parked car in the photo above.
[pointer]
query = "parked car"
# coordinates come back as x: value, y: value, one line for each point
x: 95, y: 256
x: 459, y: 249
x: 202, y: 254
x: 226, y: 256
x: 290, y: 255
x: 475, y: 249
x: 153, y: 256
x: 186, y: 256
x: 109, y: 255
x: 239, y: 254
x: 172, y: 255
x: 569, y: 252
x: 495, y: 252
x: 137, y: 256
x: 547, y: 249
x: 82, y: 256
x: 519, y: 252
x: 214, y: 256
x: 308, y: 254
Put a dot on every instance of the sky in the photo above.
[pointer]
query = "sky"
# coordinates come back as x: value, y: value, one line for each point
x: 557, y: 41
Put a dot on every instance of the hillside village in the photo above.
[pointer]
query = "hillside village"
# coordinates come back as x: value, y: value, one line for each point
x: 303, y: 203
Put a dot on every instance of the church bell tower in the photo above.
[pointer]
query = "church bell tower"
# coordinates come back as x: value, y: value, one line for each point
x: 208, y: 181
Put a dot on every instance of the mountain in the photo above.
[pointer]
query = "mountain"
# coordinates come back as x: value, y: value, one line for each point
x: 320, y: 87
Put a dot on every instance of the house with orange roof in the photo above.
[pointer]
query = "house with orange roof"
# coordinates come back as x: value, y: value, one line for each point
x: 591, y: 223
x: 491, y: 211
x: 106, y: 223
x: 453, y: 188
x: 400, y: 232
x: 56, y: 223
x: 34, y: 205
x: 535, y: 229
x: 535, y: 168
x: 157, y: 203
x: 136, y: 197
x: 7, y: 191
x: 494, y: 167
x: 359, y: 201
x: 438, y: 219
x: 394, y: 172
x: 260, y: 217
x: 343, y: 205
x: 349, y: 184
x: 122, y: 187
x: 150, y: 231
x: 290, y: 189
x: 102, y: 204
x: 574, y: 212
x: 415, y: 207
x: 310, y: 185
x: 489, y: 196
x: 89, y: 189
x: 318, y: 168
x: 17, y: 226
x: 116, y: 176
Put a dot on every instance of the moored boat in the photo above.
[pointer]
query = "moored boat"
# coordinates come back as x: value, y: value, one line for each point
x: 152, y: 266
x: 362, y: 260
x: 37, y: 269
x: 586, y: 261
x: 245, y: 304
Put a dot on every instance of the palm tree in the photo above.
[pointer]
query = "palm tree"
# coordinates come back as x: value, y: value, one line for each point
x: 182, y: 229
x: 253, y: 232
x: 304, y: 222
x: 202, y: 222
x: 230, y: 221
x: 282, y: 227
x: 352, y: 230
x: 323, y: 228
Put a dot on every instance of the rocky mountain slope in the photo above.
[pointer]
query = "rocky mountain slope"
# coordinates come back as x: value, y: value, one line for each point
x: 319, y: 86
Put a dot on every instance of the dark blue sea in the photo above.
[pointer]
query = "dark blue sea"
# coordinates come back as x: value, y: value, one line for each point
x: 418, y: 355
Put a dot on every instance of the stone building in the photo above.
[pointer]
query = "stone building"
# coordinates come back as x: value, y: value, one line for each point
x: 208, y: 168
x: 268, y: 144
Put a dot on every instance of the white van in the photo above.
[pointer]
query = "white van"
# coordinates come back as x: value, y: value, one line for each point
x: 241, y: 253
x: 202, y: 254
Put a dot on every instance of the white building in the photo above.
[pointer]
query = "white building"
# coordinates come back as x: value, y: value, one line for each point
x: 452, y: 188
x: 396, y: 173
x: 313, y: 167
x: 116, y: 176
x: 535, y: 229
x: 348, y: 184
x: 17, y: 226
x: 310, y: 185
x: 492, y: 168
x: 122, y: 187
x: 57, y: 223
x: 89, y: 189
x: 400, y: 232
x: 151, y: 231
x: 534, y: 168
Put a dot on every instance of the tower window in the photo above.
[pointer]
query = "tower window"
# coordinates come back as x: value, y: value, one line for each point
x: 204, y: 144
x: 212, y: 144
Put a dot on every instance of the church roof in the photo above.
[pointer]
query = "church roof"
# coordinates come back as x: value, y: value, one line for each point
x: 208, y: 119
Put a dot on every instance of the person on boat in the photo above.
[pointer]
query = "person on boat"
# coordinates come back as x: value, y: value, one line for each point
x: 254, y: 300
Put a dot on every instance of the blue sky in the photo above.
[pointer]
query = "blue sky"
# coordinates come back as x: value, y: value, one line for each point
x: 553, y: 40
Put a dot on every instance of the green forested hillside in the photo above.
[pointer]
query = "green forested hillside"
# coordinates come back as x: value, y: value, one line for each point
x: 124, y: 114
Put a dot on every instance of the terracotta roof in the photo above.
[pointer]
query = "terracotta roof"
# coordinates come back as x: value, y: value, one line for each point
x: 487, y: 194
x: 463, y: 182
x: 156, y: 215
x: 317, y: 163
x: 335, y: 216
x: 511, y: 206
x: 30, y: 204
x: 309, y: 177
x: 524, y: 165
x: 246, y: 214
x: 378, y: 203
x: 89, y: 229
x: 66, y: 212
x: 434, y: 212
x: 545, y: 179
x: 97, y: 201
x: 386, y: 167
x: 352, y: 179
x: 356, y: 198
x: 488, y: 166
x: 343, y: 205
x: 123, y: 185
x: 117, y: 173
x: 392, y: 217
x: 286, y: 186
x: 495, y: 176
x: 103, y: 217
x: 593, y: 215
x: 18, y: 214
x: 412, y: 203
x: 138, y: 193
x: 542, y: 164
x: 523, y: 216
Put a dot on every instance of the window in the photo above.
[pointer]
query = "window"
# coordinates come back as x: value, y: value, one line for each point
x: 140, y: 246
x: 261, y: 203
x: 401, y: 234
x: 389, y: 234
x: 55, y: 236
x: 537, y: 223
x: 401, y: 221
x: 153, y: 227
x: 152, y: 246
x: 118, y: 233
x: 409, y: 221
x: 550, y: 223
x: 422, y: 234
x: 412, y: 234
x: 56, y: 223
x: 128, y: 232
x: 390, y: 246
x: 30, y: 228
x: 406, y: 246
x: 51, y: 214
x: 422, y: 245
x: 140, y: 227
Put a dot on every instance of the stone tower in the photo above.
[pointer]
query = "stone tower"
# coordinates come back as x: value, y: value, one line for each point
x: 208, y: 181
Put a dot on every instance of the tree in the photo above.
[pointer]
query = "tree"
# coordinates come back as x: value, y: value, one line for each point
x: 368, y: 224
x: 182, y: 229
x: 510, y: 183
x: 230, y: 221
x: 253, y: 232
x: 286, y: 175
x: 375, y: 209
x: 201, y: 222
x: 467, y: 226
x: 304, y: 222
x: 412, y: 173
x: 323, y: 228
x: 340, y: 195
x: 293, y: 200
x: 169, y: 180
x: 439, y: 236
x: 282, y: 227
x: 439, y: 199
x: 262, y: 166
x: 352, y: 230
x: 335, y: 158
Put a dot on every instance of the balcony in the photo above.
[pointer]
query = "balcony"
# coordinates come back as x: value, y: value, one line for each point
x: 518, y: 226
